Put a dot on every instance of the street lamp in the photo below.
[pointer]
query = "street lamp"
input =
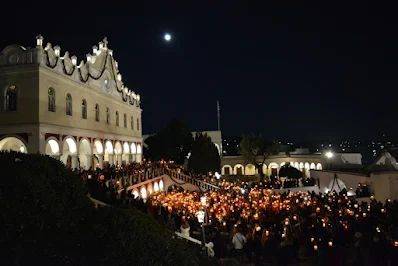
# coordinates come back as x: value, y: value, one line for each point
x: 329, y: 155
x: 201, y: 218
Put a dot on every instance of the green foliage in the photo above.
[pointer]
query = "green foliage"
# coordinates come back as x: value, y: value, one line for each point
x: 204, y: 155
x: 171, y: 143
x: 47, y: 219
x: 250, y: 147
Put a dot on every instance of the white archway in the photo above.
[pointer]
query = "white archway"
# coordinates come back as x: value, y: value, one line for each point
x: 239, y: 169
x: 273, y: 169
x: 161, y: 185
x: 52, y: 147
x: 306, y: 171
x: 118, y: 153
x: 319, y: 166
x: 135, y: 193
x: 133, y: 151
x: 13, y: 144
x: 85, y: 156
x: 126, y: 153
x: 139, y: 152
x: 250, y: 169
x: 149, y: 189
x: 118, y: 148
x: 156, y: 187
x: 265, y: 169
x: 143, y: 192
x: 312, y: 166
x: 301, y: 166
x: 98, y: 151
x: 108, y: 153
x: 69, y: 149
x: 296, y: 164
x: 226, y: 170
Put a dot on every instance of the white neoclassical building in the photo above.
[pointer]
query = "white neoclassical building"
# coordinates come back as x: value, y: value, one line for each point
x: 79, y: 112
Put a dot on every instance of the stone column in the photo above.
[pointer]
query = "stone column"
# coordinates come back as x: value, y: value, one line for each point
x: 100, y: 161
x: 133, y: 157
x: 119, y: 159
x: 74, y: 161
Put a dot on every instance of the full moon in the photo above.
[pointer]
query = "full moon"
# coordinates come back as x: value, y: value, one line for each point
x: 167, y: 37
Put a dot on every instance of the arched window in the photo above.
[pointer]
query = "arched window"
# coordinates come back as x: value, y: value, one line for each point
x: 68, y: 104
x: 11, y: 98
x: 97, y: 116
x: 84, y: 109
x: 51, y: 100
x: 132, y: 122
x: 138, y: 124
x: 125, y: 120
x: 108, y: 116
x: 117, y: 118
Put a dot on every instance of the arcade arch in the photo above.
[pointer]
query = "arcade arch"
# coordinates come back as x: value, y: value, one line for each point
x: 250, y: 169
x: 85, y: 156
x: 52, y: 147
x: 13, y: 144
x: 108, y: 153
x: 126, y: 153
x: 69, y: 150
x: 337, y: 185
x: 139, y: 152
x: 226, y: 170
x: 118, y: 153
x: 161, y: 185
x: 239, y: 169
x: 133, y: 151
x: 319, y: 166
x: 143, y: 192
x: 156, y: 187
x: 273, y: 169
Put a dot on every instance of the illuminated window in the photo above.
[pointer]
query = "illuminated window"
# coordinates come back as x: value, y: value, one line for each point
x: 84, y: 109
x: 68, y: 104
x: 51, y: 100
x: 11, y: 98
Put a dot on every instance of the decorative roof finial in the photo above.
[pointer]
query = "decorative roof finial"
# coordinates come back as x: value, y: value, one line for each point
x: 105, y: 41
x: 39, y: 41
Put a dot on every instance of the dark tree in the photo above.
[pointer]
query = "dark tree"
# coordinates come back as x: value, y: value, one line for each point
x: 204, y: 155
x: 290, y: 172
x: 254, y: 148
x: 171, y: 143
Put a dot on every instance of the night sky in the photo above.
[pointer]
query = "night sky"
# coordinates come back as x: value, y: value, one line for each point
x: 291, y: 72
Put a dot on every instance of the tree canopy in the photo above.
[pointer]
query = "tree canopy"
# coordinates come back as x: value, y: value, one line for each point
x: 47, y: 219
x: 290, y: 172
x: 204, y: 155
x: 252, y: 146
x: 171, y: 143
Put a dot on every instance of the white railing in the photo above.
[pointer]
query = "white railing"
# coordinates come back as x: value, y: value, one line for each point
x: 191, y: 180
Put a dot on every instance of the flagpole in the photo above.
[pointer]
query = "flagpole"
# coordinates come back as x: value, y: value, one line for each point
x: 218, y: 115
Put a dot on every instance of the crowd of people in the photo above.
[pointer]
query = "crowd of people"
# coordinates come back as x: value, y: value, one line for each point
x: 252, y: 223
x: 257, y: 224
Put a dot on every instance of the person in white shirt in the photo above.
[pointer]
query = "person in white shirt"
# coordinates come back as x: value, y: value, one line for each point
x: 239, y: 241
x: 185, y: 229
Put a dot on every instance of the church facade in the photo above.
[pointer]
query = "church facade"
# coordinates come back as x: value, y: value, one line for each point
x: 79, y: 112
